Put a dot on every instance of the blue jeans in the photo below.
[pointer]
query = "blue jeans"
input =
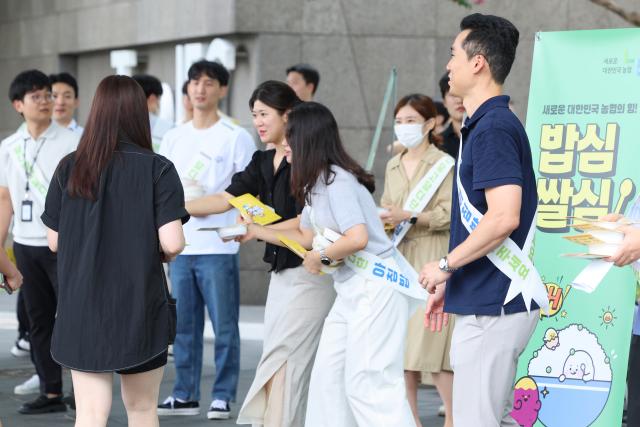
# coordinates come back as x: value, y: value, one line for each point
x: 211, y: 280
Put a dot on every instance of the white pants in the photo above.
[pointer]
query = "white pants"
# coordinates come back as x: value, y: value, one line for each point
x: 357, y: 378
x: 484, y: 356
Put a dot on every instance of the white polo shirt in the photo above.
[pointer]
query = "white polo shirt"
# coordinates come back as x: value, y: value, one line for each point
x: 55, y: 143
x: 229, y: 148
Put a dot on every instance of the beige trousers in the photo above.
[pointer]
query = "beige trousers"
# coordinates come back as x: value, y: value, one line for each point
x: 484, y: 357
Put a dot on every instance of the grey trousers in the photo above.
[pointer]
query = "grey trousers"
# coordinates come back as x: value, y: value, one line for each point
x: 484, y: 356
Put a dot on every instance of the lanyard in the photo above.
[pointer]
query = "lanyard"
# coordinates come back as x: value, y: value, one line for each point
x: 28, y: 171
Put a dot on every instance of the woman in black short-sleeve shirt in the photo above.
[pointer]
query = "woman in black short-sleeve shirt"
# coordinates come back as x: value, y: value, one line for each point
x: 114, y: 210
x: 298, y: 301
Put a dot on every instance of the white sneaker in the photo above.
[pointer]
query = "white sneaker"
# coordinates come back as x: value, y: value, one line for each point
x: 441, y: 411
x: 30, y: 386
x: 219, y: 410
x: 22, y: 348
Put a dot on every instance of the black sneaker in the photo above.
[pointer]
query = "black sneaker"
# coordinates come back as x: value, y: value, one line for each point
x: 172, y: 406
x: 219, y: 410
x: 70, y: 401
x: 43, y: 405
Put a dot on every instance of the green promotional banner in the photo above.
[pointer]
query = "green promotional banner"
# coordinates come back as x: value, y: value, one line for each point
x: 583, y: 124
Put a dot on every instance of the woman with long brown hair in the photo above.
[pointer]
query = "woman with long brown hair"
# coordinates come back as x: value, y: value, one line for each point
x: 114, y: 211
x: 357, y: 377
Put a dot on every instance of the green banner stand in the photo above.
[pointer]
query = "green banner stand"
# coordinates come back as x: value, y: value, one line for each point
x: 583, y: 124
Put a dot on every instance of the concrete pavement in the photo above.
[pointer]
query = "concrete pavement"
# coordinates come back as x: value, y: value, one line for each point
x: 15, y: 370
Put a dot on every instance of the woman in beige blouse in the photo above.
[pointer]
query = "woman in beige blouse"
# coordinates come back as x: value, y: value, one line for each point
x: 427, y: 239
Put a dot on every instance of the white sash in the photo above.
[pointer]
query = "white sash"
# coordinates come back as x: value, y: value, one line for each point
x: 422, y: 194
x: 38, y: 184
x: 514, y: 262
x: 372, y: 267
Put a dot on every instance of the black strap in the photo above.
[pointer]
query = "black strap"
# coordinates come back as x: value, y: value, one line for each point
x: 28, y: 171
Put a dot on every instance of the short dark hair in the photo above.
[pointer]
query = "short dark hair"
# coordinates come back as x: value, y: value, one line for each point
x: 444, y: 85
x: 215, y: 70
x: 184, y: 87
x: 275, y: 94
x: 309, y: 74
x: 150, y: 85
x: 28, y: 81
x: 442, y: 110
x: 493, y: 37
x: 65, y: 78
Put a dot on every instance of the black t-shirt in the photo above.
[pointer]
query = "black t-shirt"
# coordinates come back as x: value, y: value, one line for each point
x: 451, y: 143
x: 112, y: 305
x: 274, y: 189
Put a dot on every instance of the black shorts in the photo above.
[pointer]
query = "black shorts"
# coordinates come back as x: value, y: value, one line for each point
x: 149, y: 365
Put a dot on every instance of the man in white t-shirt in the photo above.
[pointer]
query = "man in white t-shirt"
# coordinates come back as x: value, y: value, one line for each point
x: 152, y: 88
x: 206, y: 151
x: 28, y: 159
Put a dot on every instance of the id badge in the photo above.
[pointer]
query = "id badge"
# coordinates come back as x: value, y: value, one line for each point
x: 26, y: 211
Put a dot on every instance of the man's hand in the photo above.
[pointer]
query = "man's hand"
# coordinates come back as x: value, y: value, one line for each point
x: 431, y: 276
x: 14, y: 280
x: 394, y: 215
x: 312, y: 262
x: 434, y: 316
x: 629, y: 251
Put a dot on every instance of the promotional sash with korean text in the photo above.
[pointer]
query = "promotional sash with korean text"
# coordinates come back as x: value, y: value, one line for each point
x: 514, y: 262
x: 422, y: 194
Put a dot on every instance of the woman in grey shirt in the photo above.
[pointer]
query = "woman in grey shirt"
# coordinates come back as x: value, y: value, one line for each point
x: 357, y: 378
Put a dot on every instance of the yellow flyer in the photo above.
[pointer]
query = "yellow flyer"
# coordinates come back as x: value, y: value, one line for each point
x: 293, y: 246
x: 248, y: 205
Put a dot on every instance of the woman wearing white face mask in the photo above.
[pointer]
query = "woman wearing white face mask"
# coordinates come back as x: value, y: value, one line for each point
x: 421, y: 221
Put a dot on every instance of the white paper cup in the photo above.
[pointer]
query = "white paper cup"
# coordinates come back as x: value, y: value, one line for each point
x: 232, y: 231
x: 192, y: 190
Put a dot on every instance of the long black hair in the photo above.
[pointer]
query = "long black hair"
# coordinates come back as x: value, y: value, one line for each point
x: 275, y: 94
x: 312, y: 133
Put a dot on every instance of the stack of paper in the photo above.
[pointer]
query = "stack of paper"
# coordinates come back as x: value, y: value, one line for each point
x: 601, y: 238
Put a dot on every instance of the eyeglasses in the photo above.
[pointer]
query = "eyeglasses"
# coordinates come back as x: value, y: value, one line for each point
x: 38, y: 97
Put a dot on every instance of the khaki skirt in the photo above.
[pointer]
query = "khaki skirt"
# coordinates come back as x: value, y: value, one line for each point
x: 426, y: 351
x: 297, y: 304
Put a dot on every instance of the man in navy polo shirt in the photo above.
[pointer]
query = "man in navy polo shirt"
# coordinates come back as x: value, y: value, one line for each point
x: 496, y: 178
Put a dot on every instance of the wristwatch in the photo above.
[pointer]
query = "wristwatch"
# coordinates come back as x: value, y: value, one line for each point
x: 414, y: 218
x: 324, y: 259
x: 443, y: 265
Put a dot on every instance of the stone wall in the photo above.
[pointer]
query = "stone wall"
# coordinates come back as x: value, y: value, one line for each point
x: 353, y: 43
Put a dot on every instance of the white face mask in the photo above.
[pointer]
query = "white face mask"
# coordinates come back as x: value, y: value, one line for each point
x: 409, y: 135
